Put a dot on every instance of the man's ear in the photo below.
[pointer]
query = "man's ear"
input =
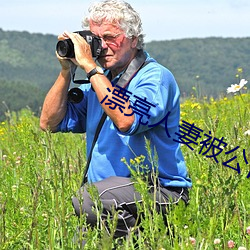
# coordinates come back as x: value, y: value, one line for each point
x: 134, y: 42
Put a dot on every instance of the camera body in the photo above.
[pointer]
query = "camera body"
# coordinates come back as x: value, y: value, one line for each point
x: 65, y: 48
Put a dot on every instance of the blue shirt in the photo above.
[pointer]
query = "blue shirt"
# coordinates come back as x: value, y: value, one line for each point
x: 156, y: 85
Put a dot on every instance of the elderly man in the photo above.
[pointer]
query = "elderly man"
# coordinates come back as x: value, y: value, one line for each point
x: 140, y: 98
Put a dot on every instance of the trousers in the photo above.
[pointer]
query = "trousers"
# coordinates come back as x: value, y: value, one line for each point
x: 119, y: 194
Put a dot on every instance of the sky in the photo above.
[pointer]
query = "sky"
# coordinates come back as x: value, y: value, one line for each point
x: 162, y: 19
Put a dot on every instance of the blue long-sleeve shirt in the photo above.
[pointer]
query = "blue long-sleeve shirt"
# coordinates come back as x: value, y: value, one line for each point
x: 157, y: 87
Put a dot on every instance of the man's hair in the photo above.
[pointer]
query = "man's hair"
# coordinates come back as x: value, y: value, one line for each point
x: 120, y: 13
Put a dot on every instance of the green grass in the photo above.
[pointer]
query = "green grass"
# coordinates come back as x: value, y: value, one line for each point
x: 40, y: 172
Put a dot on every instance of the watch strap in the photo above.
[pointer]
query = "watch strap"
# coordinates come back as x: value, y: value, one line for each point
x: 93, y: 72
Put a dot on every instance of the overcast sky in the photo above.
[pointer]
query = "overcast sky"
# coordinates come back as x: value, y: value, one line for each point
x: 162, y: 19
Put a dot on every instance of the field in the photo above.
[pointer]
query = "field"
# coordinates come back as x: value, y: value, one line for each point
x: 40, y: 172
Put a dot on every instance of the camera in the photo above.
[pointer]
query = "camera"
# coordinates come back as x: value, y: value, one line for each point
x: 65, y: 48
x: 75, y: 95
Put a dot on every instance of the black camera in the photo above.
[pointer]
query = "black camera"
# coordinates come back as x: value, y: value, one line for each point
x: 65, y: 48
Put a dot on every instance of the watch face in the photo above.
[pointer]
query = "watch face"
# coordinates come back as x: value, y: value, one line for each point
x: 99, y: 70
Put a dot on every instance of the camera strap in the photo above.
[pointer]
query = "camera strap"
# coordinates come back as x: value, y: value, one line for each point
x: 136, y: 64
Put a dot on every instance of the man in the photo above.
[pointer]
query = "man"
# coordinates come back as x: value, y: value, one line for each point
x: 141, y: 100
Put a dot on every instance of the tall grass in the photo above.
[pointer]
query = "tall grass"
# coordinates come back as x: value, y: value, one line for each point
x: 40, y: 172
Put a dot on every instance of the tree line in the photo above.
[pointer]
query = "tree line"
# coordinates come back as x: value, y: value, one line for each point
x: 204, y: 67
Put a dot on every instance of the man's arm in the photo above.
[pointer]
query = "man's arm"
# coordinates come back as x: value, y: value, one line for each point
x: 100, y: 83
x: 55, y: 103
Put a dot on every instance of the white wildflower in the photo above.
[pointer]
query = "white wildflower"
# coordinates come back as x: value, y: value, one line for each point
x: 247, y: 132
x: 237, y: 87
x: 242, y: 248
x: 217, y: 241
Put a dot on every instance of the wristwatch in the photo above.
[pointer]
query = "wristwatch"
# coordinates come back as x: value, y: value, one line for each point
x: 96, y: 70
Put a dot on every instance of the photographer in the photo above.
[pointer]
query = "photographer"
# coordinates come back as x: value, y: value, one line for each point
x: 153, y: 96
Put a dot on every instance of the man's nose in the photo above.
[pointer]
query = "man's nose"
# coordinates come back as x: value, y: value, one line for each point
x: 104, y: 44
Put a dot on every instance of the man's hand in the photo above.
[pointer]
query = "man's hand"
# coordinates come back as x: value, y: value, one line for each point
x: 66, y: 63
x: 83, y: 54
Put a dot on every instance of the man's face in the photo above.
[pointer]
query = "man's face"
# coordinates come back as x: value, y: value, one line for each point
x: 118, y: 50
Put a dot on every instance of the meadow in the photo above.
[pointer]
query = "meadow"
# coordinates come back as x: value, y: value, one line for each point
x: 40, y: 172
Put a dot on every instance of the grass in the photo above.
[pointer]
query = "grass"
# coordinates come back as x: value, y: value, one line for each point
x: 40, y: 172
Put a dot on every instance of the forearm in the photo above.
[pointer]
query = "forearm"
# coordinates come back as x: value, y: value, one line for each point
x: 100, y: 84
x: 55, y: 103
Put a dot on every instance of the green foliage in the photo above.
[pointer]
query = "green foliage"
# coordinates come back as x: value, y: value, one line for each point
x: 40, y: 172
x: 14, y: 95
x: 28, y: 68
x: 26, y: 57
x: 35, y: 208
x: 211, y: 59
x: 208, y: 64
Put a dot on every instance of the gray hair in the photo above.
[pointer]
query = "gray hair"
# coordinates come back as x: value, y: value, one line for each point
x: 120, y: 13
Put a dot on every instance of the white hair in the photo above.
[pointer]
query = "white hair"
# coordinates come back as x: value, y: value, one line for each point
x: 120, y: 13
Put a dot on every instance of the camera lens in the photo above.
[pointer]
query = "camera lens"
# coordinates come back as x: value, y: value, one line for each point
x: 75, y: 95
x: 65, y: 48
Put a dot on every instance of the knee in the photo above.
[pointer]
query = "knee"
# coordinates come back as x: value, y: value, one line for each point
x: 77, y: 206
x: 84, y: 205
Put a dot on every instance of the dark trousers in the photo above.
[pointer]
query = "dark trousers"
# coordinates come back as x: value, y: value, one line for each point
x: 119, y: 194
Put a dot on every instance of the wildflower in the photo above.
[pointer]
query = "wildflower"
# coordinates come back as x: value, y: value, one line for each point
x: 198, y: 182
x: 230, y: 244
x: 195, y: 105
x: 216, y: 241
x: 242, y: 248
x: 240, y: 70
x: 132, y: 162
x: 248, y: 230
x: 45, y: 216
x: 247, y: 132
x: 237, y: 87
x: 137, y: 159
x: 192, y: 240
x: 14, y: 188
